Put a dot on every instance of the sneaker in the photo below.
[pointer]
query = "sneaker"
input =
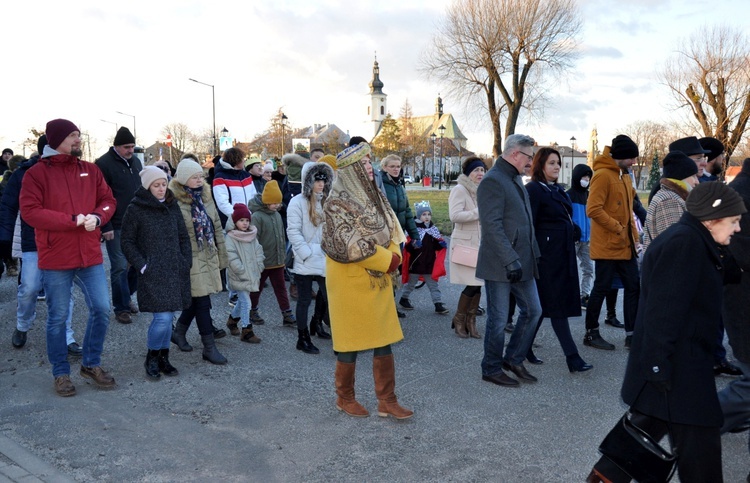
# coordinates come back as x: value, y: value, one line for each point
x: 74, y: 349
x: 63, y: 386
x: 289, y: 320
x: 255, y: 317
x: 233, y: 300
x: 123, y: 317
x: 509, y: 327
x: 481, y: 311
x: 401, y: 315
x: 218, y: 333
x: 100, y: 377
x: 595, y: 340
x: 133, y: 307
x: 628, y: 341
x: 405, y: 304
x: 440, y: 308
x: 41, y: 295
x: 19, y: 338
x: 584, y: 301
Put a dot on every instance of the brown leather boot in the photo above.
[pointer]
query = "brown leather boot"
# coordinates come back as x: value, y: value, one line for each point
x: 459, y: 320
x: 232, y: 325
x: 384, y: 373
x: 471, y: 317
x: 345, y: 390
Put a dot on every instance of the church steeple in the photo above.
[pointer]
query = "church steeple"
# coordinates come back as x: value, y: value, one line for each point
x: 439, y: 107
x: 376, y: 85
x: 378, y: 103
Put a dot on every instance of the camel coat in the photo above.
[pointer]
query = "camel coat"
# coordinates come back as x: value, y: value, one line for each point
x: 464, y: 213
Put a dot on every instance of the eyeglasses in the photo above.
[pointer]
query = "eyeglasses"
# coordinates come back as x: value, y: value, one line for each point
x: 531, y: 157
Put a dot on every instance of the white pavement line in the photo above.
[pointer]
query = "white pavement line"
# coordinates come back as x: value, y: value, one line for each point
x: 32, y: 464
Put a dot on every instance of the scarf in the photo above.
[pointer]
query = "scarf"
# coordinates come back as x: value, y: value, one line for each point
x: 432, y: 231
x: 204, y: 229
x: 358, y: 218
x: 243, y: 236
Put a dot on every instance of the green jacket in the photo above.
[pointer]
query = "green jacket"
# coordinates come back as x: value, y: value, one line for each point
x: 396, y: 194
x: 271, y: 234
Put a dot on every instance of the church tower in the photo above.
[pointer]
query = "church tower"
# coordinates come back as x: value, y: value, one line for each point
x: 439, y: 107
x: 378, y: 106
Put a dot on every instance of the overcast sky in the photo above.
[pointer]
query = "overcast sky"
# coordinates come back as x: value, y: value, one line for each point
x: 84, y: 60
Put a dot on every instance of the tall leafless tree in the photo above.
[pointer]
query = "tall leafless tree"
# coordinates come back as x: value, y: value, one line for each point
x: 504, y: 49
x: 709, y: 77
x: 180, y: 133
x: 653, y: 141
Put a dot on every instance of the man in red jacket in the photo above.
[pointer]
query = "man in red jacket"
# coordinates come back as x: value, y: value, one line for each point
x: 66, y: 200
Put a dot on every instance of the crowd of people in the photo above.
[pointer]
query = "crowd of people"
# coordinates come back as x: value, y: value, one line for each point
x: 176, y: 236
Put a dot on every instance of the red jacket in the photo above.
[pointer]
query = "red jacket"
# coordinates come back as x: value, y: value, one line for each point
x: 54, y: 191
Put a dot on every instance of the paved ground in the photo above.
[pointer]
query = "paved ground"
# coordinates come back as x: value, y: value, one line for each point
x: 269, y: 414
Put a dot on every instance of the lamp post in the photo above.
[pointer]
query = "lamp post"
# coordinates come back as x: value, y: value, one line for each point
x: 282, y: 123
x: 422, y: 173
x: 434, y: 150
x: 213, y: 102
x: 129, y: 115
x: 442, y: 132
x: 110, y: 122
x: 572, y: 142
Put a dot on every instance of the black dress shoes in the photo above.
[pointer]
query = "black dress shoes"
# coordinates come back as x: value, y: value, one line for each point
x: 520, y: 371
x: 501, y: 379
x: 19, y: 339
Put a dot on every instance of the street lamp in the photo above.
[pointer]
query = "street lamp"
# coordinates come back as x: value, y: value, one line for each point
x: 282, y: 123
x: 441, y: 129
x: 434, y: 150
x: 572, y: 142
x: 110, y: 122
x: 422, y: 173
x: 213, y: 101
x: 129, y: 115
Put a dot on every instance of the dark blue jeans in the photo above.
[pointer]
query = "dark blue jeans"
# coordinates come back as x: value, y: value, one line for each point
x: 304, y: 297
x: 118, y: 274
x: 605, y: 272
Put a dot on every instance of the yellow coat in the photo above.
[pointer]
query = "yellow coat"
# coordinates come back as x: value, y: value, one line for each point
x: 362, y: 316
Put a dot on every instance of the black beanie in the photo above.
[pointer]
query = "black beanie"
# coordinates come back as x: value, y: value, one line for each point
x: 41, y: 143
x: 623, y: 148
x: 677, y: 165
x: 124, y: 136
x: 713, y: 145
x: 713, y: 200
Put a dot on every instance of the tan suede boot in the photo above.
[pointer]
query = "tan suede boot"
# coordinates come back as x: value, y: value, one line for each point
x: 232, y: 325
x: 345, y: 391
x: 459, y: 320
x: 471, y: 317
x: 384, y: 373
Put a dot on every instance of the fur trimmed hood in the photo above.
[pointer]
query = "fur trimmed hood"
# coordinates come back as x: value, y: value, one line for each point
x: 309, y: 170
x: 293, y: 163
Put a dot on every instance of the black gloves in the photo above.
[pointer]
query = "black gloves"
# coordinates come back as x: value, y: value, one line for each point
x: 514, y: 272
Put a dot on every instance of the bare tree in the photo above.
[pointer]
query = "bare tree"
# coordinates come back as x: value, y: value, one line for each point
x: 504, y: 47
x: 200, y: 143
x: 709, y: 76
x: 181, y: 134
x: 653, y: 141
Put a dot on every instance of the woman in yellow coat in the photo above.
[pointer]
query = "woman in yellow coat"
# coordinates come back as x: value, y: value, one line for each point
x: 361, y: 241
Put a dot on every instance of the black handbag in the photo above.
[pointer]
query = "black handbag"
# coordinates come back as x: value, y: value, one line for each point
x: 636, y: 453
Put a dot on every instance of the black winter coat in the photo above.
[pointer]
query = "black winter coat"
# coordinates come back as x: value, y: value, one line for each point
x: 674, y: 339
x: 557, y: 285
x: 123, y: 179
x: 10, y: 206
x: 736, y: 296
x: 422, y: 260
x: 154, y: 235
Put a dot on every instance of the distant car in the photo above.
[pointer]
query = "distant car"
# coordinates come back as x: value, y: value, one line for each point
x: 408, y: 179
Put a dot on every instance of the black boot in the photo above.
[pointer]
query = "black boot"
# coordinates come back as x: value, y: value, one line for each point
x: 178, y: 336
x: 152, y: 364
x: 316, y: 327
x: 595, y: 340
x: 210, y: 352
x: 164, y: 366
x: 218, y: 333
x: 304, y: 343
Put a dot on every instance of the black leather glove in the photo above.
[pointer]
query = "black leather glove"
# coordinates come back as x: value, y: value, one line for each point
x: 6, y: 250
x: 514, y: 272
x: 661, y: 386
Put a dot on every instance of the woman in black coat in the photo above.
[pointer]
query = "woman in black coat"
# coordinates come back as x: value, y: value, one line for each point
x: 551, y: 210
x: 669, y: 376
x: 156, y: 243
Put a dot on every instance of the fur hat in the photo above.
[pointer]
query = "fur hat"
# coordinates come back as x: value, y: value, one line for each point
x: 240, y: 211
x: 123, y: 136
x: 678, y: 166
x: 714, y: 200
x: 330, y: 160
x: 41, y: 143
x: 422, y: 207
x: 623, y: 148
x: 352, y: 154
x: 688, y: 145
x: 293, y: 164
x: 149, y: 174
x: 713, y: 145
x: 57, y: 130
x: 271, y: 193
x: 311, y: 172
x: 186, y: 169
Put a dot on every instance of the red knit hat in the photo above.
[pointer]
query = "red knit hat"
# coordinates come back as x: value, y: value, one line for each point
x: 240, y: 211
x: 57, y: 130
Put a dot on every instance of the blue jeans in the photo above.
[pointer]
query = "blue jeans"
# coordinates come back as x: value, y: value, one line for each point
x: 242, y: 308
x: 498, y: 294
x: 28, y: 289
x: 118, y: 274
x: 160, y: 330
x: 605, y: 271
x: 57, y: 284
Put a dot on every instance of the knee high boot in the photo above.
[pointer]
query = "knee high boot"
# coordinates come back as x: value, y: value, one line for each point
x: 178, y: 336
x: 459, y: 320
x: 210, y: 352
x: 345, y: 390
x: 471, y: 317
x: 384, y: 373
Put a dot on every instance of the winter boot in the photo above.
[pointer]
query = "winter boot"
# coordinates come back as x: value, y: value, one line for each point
x: 471, y: 317
x: 440, y: 308
x: 210, y: 352
x: 289, y: 320
x: 218, y: 333
x: 164, y: 366
x: 232, y: 325
x: 178, y: 336
x: 255, y: 317
x: 459, y: 320
x: 384, y: 373
x: 152, y: 364
x: 317, y: 327
x: 249, y: 336
x: 304, y: 343
x: 345, y: 390
x: 595, y: 340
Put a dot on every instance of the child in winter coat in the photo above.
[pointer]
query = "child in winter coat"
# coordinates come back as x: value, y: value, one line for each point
x: 425, y: 258
x: 245, y: 256
x: 271, y: 236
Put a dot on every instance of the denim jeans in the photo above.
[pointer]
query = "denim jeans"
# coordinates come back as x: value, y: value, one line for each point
x: 118, y: 274
x: 527, y: 298
x: 160, y: 330
x: 304, y: 296
x: 735, y: 400
x: 242, y: 308
x: 605, y: 274
x: 57, y: 284
x: 28, y: 289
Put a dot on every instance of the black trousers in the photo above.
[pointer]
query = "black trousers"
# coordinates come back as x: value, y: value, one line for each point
x: 604, y: 274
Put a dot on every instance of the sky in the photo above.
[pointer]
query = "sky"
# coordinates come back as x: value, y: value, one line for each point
x: 85, y: 60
